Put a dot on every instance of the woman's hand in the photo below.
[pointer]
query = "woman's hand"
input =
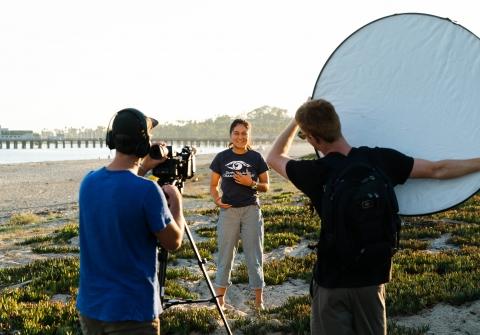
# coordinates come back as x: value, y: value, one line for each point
x: 214, y: 182
x: 220, y: 204
x: 243, y: 179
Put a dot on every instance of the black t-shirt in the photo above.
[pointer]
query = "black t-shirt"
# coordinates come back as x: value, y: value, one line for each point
x: 311, y: 176
x: 226, y: 163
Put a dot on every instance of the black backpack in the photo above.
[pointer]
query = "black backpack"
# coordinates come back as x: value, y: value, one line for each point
x: 360, y: 224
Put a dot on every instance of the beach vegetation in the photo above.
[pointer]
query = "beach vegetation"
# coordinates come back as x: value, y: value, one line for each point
x: 276, y: 240
x: 181, y: 273
x: 27, y: 303
x: 277, y: 271
x: 56, y: 249
x: 189, y: 321
x: 422, y: 277
x: 207, y: 232
x: 23, y: 219
x: 205, y: 249
x: 57, y: 242
x: 173, y: 289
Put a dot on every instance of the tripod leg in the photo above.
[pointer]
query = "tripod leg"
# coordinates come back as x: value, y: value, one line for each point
x: 207, y: 279
x: 162, y: 272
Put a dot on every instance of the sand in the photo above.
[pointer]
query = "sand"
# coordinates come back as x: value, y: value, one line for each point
x: 53, y: 186
x: 35, y: 186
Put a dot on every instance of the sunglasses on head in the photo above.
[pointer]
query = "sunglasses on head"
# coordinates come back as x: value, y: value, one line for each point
x: 301, y: 135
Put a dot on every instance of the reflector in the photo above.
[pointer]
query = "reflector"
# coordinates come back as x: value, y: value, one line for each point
x: 411, y: 82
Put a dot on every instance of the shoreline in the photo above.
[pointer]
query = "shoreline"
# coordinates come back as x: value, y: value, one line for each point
x: 36, y: 186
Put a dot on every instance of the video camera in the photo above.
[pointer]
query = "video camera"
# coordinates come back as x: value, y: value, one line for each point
x: 178, y: 167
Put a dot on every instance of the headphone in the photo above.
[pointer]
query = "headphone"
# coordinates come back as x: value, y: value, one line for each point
x: 143, y: 146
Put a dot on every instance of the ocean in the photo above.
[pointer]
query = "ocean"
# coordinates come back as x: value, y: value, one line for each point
x: 14, y: 156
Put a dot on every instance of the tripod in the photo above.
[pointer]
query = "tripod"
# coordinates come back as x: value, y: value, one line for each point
x: 162, y: 274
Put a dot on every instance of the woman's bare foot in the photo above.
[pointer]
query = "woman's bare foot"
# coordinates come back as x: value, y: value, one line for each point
x: 221, y: 292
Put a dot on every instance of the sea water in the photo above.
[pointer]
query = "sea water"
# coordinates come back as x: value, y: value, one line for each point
x: 13, y: 156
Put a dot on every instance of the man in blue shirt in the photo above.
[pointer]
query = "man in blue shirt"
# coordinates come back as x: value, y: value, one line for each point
x: 122, y: 217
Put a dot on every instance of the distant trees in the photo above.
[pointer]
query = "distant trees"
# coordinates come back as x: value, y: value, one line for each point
x: 267, y: 122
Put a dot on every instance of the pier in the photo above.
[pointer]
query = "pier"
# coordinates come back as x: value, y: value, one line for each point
x: 100, y: 143
x: 51, y: 143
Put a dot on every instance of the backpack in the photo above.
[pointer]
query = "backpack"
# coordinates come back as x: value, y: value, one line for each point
x: 360, y: 224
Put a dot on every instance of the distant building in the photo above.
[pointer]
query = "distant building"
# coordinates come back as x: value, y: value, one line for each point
x: 6, y: 134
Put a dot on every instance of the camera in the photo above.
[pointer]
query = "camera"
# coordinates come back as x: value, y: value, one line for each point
x: 178, y: 167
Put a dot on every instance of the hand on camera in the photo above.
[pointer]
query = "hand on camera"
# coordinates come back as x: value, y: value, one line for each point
x: 160, y: 156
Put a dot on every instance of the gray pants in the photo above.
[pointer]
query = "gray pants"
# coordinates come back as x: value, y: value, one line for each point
x: 96, y: 327
x: 247, y: 223
x: 348, y: 311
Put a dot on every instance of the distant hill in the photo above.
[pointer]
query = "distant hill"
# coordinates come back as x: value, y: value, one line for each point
x: 267, y: 122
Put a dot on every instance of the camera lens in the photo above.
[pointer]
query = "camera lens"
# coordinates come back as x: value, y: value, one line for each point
x: 158, y: 151
x: 155, y: 152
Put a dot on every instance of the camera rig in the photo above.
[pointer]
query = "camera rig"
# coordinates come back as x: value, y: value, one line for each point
x: 178, y: 167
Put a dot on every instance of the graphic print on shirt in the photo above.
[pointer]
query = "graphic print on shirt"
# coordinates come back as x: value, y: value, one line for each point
x: 237, y: 166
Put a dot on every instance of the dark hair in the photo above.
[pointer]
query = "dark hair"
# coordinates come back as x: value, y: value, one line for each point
x: 130, y: 132
x: 237, y: 122
x: 126, y: 144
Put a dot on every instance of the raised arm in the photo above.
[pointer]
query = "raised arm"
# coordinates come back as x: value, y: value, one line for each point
x: 278, y: 157
x: 444, y: 169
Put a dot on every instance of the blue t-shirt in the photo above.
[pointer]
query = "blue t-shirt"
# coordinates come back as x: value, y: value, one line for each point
x: 119, y: 215
x: 226, y: 163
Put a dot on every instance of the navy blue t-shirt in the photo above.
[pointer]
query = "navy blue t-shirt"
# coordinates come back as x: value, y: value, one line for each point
x: 226, y: 163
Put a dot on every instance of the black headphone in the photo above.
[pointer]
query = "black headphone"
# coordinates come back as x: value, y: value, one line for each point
x: 143, y: 146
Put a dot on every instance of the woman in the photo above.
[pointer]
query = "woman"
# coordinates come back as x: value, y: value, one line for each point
x: 241, y: 173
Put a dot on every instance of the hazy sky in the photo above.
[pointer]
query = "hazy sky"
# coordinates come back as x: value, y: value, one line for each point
x: 75, y: 63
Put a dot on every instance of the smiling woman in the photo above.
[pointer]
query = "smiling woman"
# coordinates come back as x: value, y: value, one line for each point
x: 242, y: 173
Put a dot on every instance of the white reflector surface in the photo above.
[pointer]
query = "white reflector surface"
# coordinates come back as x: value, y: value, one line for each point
x: 411, y: 82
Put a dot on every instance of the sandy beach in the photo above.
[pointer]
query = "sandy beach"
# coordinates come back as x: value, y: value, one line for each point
x: 53, y: 186
x: 36, y: 186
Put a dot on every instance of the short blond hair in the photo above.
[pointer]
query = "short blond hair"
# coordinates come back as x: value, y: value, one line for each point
x: 319, y: 119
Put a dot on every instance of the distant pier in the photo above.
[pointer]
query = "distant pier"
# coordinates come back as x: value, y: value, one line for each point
x: 51, y: 143
x: 100, y: 143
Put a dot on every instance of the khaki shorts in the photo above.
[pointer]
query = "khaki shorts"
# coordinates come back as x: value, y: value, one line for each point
x: 348, y: 311
x: 96, y: 327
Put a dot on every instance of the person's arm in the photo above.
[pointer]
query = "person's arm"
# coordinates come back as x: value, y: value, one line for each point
x: 171, y: 237
x: 263, y: 182
x: 278, y: 157
x: 444, y: 169
x: 217, y: 199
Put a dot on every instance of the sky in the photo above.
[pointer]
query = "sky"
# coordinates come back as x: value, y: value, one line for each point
x: 74, y: 64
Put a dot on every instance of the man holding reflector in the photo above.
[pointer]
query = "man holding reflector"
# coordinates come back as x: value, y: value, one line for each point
x: 351, y: 189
